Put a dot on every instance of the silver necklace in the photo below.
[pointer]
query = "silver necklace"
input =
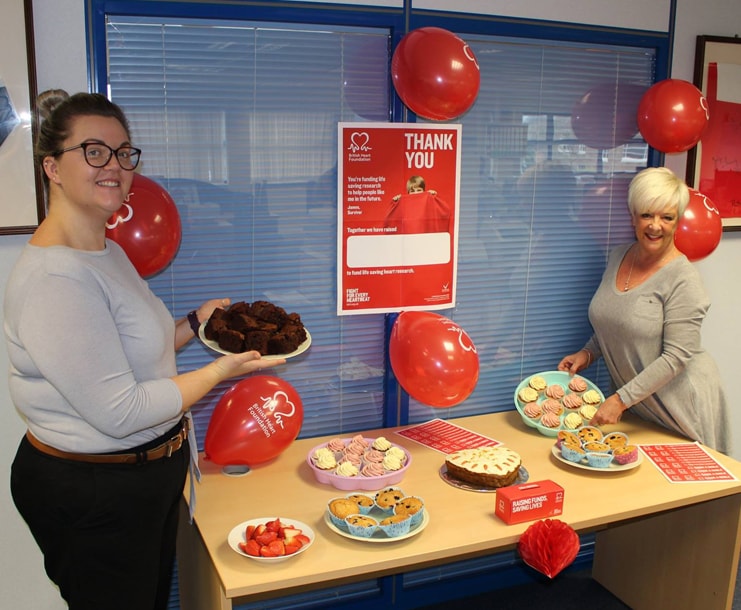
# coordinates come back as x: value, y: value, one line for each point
x: 632, y: 264
x: 630, y: 271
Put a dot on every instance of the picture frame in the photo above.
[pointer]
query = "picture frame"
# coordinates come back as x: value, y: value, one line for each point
x: 714, y: 165
x: 22, y: 205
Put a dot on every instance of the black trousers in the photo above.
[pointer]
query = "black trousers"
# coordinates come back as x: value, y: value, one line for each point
x: 107, y: 531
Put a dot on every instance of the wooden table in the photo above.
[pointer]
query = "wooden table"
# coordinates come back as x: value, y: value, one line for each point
x: 658, y: 544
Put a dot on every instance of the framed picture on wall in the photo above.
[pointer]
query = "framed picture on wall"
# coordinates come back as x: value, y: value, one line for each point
x: 714, y: 165
x: 21, y: 204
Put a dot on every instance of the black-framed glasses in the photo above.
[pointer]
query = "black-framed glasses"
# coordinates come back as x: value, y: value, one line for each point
x: 98, y: 154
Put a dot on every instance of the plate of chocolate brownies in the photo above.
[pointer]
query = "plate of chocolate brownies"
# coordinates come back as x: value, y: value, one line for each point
x: 260, y: 326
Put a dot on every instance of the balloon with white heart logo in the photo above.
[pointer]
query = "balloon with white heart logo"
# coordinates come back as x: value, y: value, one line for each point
x: 433, y: 358
x: 435, y: 73
x: 147, y: 226
x: 254, y: 422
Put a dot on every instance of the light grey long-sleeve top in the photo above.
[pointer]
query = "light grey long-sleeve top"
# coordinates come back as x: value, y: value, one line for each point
x: 91, y: 350
x: 650, y: 340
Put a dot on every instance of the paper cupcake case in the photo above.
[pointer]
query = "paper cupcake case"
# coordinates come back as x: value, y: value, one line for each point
x: 403, y: 523
x: 598, y: 453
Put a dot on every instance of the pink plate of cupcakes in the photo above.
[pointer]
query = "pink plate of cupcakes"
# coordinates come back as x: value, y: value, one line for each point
x: 359, y: 463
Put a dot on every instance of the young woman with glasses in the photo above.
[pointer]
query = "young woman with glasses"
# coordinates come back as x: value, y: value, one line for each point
x: 99, y: 475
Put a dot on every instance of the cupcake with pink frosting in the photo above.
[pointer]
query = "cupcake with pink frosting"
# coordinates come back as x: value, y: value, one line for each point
x: 354, y: 448
x: 336, y: 445
x: 550, y: 420
x: 353, y: 458
x: 577, y: 384
x: 551, y: 405
x: 555, y: 391
x: 373, y: 455
x: 373, y: 469
x: 532, y: 409
x: 572, y: 401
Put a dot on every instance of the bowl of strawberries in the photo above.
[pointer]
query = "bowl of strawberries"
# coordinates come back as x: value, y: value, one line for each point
x: 271, y: 539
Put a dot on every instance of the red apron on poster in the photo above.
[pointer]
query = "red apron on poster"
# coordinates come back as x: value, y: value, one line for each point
x: 720, y: 167
x: 398, y: 188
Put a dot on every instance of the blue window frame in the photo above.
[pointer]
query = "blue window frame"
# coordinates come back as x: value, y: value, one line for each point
x: 236, y: 104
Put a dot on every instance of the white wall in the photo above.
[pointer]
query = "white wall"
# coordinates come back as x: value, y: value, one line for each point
x: 61, y: 62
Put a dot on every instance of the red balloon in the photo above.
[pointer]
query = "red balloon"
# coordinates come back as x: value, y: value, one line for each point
x: 254, y: 421
x: 435, y: 73
x: 605, y: 116
x: 147, y: 226
x: 673, y: 115
x: 433, y: 358
x: 699, y: 229
x: 549, y: 546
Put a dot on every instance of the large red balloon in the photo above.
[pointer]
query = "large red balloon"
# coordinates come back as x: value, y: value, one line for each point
x: 605, y: 116
x: 433, y: 358
x: 254, y: 421
x: 672, y: 115
x: 147, y: 226
x: 699, y: 229
x: 435, y: 73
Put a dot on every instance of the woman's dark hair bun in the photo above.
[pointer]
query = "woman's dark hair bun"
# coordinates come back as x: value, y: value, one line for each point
x: 47, y: 101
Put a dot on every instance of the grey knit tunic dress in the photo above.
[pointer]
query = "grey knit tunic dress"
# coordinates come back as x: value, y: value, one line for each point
x: 650, y: 340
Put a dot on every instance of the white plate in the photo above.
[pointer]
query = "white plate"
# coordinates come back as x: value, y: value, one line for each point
x: 237, y: 535
x: 613, y: 467
x: 379, y: 536
x: 215, y: 346
x: 522, y: 477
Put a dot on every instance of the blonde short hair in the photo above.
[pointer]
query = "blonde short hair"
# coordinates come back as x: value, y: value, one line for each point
x: 655, y: 189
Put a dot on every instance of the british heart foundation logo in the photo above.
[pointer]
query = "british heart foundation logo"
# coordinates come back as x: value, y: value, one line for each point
x: 359, y: 146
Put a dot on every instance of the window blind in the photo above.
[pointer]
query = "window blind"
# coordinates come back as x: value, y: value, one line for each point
x: 539, y: 209
x: 237, y: 120
x: 238, y: 123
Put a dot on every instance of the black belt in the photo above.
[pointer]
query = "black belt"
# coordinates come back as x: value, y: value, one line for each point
x: 165, y: 450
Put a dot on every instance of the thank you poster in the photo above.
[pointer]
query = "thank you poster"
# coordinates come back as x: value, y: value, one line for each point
x: 397, y: 242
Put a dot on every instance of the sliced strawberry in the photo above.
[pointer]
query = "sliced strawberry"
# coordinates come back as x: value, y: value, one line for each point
x: 289, y: 532
x: 266, y: 537
x: 260, y: 529
x: 274, y: 526
x: 292, y: 548
x: 266, y: 552
x: 277, y: 547
x: 302, y: 538
x: 249, y: 531
x: 251, y: 547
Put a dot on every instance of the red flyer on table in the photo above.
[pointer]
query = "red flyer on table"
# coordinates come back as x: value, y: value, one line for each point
x: 397, y: 228
x: 686, y: 463
x: 445, y: 437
